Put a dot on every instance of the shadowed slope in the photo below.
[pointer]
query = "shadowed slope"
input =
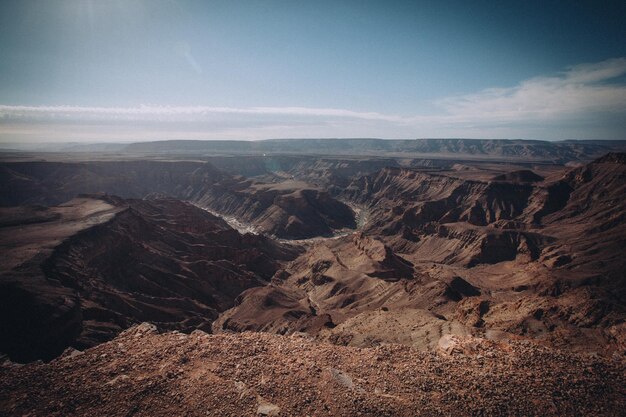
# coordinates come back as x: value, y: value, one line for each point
x: 165, y: 261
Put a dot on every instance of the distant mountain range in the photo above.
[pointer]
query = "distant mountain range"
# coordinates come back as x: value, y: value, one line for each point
x: 561, y: 151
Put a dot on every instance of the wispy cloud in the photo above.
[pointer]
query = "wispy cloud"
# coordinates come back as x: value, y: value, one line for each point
x: 183, y: 49
x: 170, y: 113
x: 587, y: 100
x: 582, y: 89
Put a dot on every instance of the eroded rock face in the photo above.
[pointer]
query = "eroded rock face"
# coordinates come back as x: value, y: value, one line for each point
x: 388, y: 264
x: 163, y: 261
x: 273, y: 309
x: 291, y: 210
x: 512, y: 234
x: 414, y: 200
x: 446, y: 249
x: 53, y: 183
x: 333, y: 280
x: 286, y: 211
x: 480, y: 257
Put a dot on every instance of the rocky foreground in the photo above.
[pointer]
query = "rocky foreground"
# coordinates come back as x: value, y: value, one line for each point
x: 145, y: 373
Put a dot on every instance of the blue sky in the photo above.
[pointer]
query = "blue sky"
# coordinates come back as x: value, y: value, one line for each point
x: 124, y: 70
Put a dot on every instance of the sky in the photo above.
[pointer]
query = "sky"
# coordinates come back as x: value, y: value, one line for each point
x: 134, y: 70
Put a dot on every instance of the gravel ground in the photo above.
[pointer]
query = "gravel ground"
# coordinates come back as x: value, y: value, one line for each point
x: 144, y: 373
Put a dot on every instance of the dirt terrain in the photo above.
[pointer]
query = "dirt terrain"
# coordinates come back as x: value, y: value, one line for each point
x: 146, y: 374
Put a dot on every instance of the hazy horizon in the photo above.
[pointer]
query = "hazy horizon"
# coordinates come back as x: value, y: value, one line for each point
x: 117, y: 146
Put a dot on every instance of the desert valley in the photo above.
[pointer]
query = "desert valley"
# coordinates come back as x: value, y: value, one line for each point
x: 314, y: 277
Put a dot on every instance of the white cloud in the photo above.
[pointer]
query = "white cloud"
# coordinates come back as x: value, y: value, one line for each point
x: 605, y: 70
x: 584, y: 101
x: 169, y: 113
x: 580, y: 90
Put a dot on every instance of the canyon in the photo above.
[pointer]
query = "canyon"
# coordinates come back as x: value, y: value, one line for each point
x: 320, y: 260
